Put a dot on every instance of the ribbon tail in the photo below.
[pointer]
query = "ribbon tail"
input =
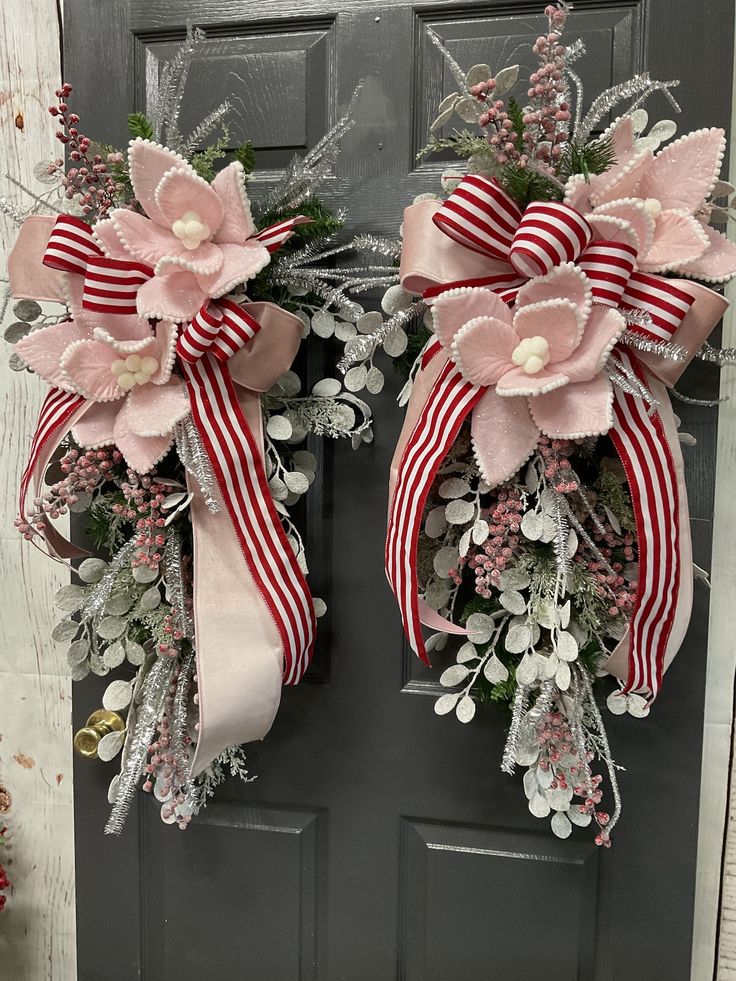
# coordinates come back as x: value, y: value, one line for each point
x: 60, y: 410
x: 649, y: 450
x: 268, y: 604
x: 448, y: 404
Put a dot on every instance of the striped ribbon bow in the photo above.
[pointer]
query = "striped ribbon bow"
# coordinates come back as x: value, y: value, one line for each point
x: 111, y: 285
x: 481, y: 220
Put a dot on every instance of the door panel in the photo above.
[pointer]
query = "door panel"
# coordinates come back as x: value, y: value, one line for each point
x: 379, y: 841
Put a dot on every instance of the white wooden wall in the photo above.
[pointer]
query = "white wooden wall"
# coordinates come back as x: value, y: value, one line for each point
x: 37, y: 928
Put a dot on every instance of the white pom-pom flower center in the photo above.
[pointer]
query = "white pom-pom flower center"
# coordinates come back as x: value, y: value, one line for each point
x: 531, y: 354
x: 191, y: 230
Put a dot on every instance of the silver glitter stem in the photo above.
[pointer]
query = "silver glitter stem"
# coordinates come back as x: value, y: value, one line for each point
x: 572, y: 518
x: 521, y: 703
x: 717, y: 355
x: 605, y: 747
x: 637, y: 88
x: 194, y: 457
x: 175, y: 589
x: 665, y: 349
x: 562, y: 534
x: 95, y: 604
x: 153, y: 694
x: 179, y: 721
x: 708, y: 403
x: 359, y: 349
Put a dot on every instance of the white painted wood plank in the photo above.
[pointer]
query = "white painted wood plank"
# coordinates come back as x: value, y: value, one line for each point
x: 37, y: 938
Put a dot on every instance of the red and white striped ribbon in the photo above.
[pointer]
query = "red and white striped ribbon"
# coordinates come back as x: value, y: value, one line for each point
x: 221, y: 328
x: 448, y: 404
x: 549, y: 233
x: 505, y: 285
x: 608, y: 266
x: 274, y: 236
x: 71, y: 245
x: 238, y: 465
x: 111, y: 285
x: 665, y: 303
x: 480, y: 215
x: 57, y: 409
x: 641, y: 443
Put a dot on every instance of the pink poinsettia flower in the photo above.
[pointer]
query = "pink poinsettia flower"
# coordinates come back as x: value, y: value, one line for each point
x: 542, y: 364
x: 135, y: 401
x: 657, y: 203
x: 197, y: 236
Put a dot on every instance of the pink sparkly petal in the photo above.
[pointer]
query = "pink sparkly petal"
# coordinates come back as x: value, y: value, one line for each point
x: 717, y: 264
x: 517, y: 382
x: 106, y: 235
x: 558, y: 321
x: 602, y: 331
x: 622, y: 180
x: 97, y: 425
x: 42, y: 350
x: 566, y: 280
x: 580, y: 409
x: 677, y: 239
x: 119, y: 328
x: 237, y: 224
x: 482, y: 349
x: 87, y: 366
x: 164, y: 350
x: 154, y: 410
x: 684, y: 172
x: 613, y: 229
x: 239, y: 264
x: 454, y: 308
x: 183, y: 190
x: 205, y: 260
x: 148, y: 162
x: 504, y: 436
x: 142, y: 453
x: 636, y: 216
x: 176, y: 297
x: 142, y: 238
x: 577, y: 194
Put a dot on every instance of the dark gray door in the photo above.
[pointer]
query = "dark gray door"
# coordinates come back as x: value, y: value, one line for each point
x: 379, y: 841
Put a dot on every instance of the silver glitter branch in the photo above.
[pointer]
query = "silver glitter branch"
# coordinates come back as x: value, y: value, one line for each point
x: 665, y: 349
x: 620, y: 375
x: 707, y: 403
x: 175, y: 590
x: 605, y: 749
x: 194, y: 457
x: 153, y: 694
x: 458, y: 74
x: 96, y: 602
x: 582, y: 533
x: 389, y: 247
x: 179, y: 721
x: 562, y: 534
x: 521, y: 703
x: 359, y: 349
x: 721, y: 356
x: 638, y: 88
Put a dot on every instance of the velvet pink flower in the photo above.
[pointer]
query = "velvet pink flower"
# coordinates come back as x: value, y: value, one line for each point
x: 542, y: 364
x: 197, y: 236
x: 126, y: 377
x: 658, y: 203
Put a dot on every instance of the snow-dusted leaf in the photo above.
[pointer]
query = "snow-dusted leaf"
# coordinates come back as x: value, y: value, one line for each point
x: 437, y: 593
x: 454, y: 487
x: 464, y: 544
x: 581, y: 818
x: 445, y: 559
x: 572, y: 543
x: 531, y: 785
x: 526, y: 672
x: 110, y: 745
x: 549, y: 529
x: 323, y: 324
x: 110, y: 628
x: 374, y: 381
x: 69, y: 598
x: 92, y: 570
x: 435, y: 523
x: 531, y: 526
x: 395, y: 343
x: 345, y: 330
x: 476, y: 75
x: 549, y: 665
x: 65, y: 631
x: 539, y: 806
x: 469, y: 109
x: 356, y: 378
x: 459, y: 512
x: 112, y: 790
x: 446, y: 703
x: 514, y: 579
x: 444, y: 116
x: 465, y: 709
x: 327, y: 388
x: 638, y: 706
x: 77, y: 672
x: 114, y: 655
x: 564, y: 615
x: 466, y: 653
x: 454, y: 675
x: 151, y: 598
x: 545, y: 777
x: 612, y: 519
x: 479, y: 627
x: 505, y: 81
x: 617, y: 703
x: 279, y: 427
x: 566, y: 646
x: 134, y: 652
x: 279, y: 490
x: 518, y: 638
x: 663, y: 130
x: 117, y: 696
x: 494, y: 670
x: 82, y: 503
x: 480, y: 531
x: 513, y: 601
x: 369, y: 322
x: 435, y: 642
x: 545, y: 613
x: 296, y: 481
x: 145, y: 573
x: 562, y: 677
x: 120, y: 602
x: 78, y: 652
x: 561, y: 825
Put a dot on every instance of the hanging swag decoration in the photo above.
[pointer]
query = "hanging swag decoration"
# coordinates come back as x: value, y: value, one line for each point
x: 174, y: 419
x: 537, y: 501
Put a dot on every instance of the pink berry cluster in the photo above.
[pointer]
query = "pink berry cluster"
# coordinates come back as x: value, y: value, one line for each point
x: 546, y: 123
x: 163, y: 762
x: 92, y: 183
x: 84, y: 472
x: 501, y: 133
x: 143, y: 499
x: 611, y: 587
x: 556, y: 454
x: 571, y: 768
x: 490, y: 559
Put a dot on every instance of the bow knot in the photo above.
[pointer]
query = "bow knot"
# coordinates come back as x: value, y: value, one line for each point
x: 220, y: 329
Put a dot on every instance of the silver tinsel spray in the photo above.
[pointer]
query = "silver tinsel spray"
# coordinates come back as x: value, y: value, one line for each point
x: 194, y: 457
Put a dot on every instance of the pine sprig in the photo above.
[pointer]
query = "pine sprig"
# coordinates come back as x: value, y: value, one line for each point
x: 462, y: 143
x: 594, y: 157
x: 140, y: 125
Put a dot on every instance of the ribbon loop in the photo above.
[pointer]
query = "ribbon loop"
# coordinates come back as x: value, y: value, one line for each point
x: 480, y: 215
x: 71, y: 245
x: 608, y: 266
x: 549, y: 234
x: 221, y: 328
